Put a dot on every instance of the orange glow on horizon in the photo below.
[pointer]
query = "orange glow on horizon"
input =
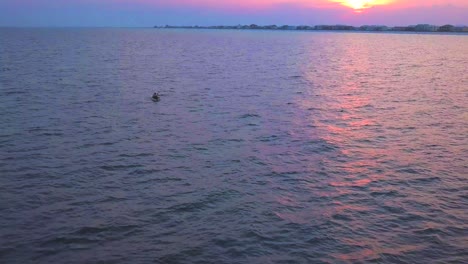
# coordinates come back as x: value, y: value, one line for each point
x: 359, y: 5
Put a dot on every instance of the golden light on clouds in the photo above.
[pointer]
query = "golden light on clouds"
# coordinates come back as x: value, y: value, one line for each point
x: 362, y: 4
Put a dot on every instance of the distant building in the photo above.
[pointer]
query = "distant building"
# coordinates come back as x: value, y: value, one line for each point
x: 446, y: 28
x: 253, y: 26
x: 320, y: 27
x: 425, y: 28
x: 343, y: 27
x: 334, y: 27
x: 461, y: 29
x: 374, y: 28
x: 271, y: 27
x: 304, y: 28
x: 399, y: 28
x: 286, y: 27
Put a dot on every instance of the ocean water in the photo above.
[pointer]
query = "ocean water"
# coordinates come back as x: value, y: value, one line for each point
x: 266, y: 147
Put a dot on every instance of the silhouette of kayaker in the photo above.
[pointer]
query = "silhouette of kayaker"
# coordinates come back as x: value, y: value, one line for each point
x: 156, y: 97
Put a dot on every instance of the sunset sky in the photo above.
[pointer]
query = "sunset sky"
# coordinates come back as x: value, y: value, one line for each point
x: 230, y: 12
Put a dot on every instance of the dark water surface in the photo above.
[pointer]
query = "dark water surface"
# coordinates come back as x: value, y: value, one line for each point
x: 267, y: 147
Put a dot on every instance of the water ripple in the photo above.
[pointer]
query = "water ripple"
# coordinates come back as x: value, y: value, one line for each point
x: 266, y: 147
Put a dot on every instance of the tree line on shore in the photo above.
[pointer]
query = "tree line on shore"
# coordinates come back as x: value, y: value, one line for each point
x: 412, y: 28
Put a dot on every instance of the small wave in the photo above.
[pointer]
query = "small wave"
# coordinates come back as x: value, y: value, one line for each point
x: 127, y: 155
x: 293, y: 77
x: 409, y: 217
x: 319, y: 146
x: 268, y: 138
x: 119, y: 167
x: 4, y: 251
x: 394, y: 209
x: 87, y: 230
x: 204, y: 202
x: 341, y: 217
x: 249, y: 116
x: 160, y: 180
x: 429, y: 231
x: 314, y: 109
x: 65, y: 240
x: 7, y: 93
x: 147, y: 171
x: 235, y: 140
x: 50, y: 134
x: 424, y: 180
x: 392, y: 193
x: 199, y: 147
x: 409, y: 170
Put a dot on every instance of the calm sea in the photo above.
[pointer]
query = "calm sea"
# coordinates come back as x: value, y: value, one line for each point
x: 266, y: 147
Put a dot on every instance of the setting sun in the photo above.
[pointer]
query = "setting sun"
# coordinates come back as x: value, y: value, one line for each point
x: 362, y: 4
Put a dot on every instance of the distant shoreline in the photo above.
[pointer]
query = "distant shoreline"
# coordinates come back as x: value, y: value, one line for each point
x: 421, y: 28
